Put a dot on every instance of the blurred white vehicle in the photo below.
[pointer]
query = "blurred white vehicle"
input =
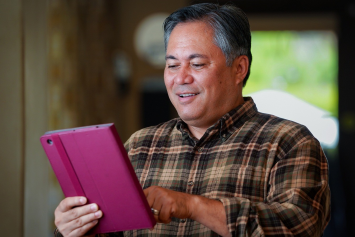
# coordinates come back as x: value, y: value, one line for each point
x: 285, y: 105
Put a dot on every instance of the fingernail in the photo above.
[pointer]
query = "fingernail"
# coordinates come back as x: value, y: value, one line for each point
x: 93, y: 207
x: 95, y: 221
x: 98, y: 214
x: 82, y: 200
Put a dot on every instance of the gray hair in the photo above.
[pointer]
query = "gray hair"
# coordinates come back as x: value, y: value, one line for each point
x: 230, y: 24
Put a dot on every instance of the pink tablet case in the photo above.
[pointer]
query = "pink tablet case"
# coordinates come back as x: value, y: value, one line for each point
x: 92, y: 162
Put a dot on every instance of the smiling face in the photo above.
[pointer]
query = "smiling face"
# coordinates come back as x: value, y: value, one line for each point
x: 200, y: 85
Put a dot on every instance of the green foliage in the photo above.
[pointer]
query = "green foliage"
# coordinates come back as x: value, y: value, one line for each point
x: 302, y: 63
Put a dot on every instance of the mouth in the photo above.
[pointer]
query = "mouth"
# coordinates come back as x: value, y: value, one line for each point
x: 187, y: 95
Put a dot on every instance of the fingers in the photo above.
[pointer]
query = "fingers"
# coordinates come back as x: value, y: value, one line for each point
x: 151, y: 195
x: 162, y: 200
x: 74, y: 218
x: 70, y: 202
x: 80, y: 225
x: 83, y: 229
x: 78, y: 212
x: 165, y: 214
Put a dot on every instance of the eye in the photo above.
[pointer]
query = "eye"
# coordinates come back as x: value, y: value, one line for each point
x: 173, y: 66
x: 198, y: 65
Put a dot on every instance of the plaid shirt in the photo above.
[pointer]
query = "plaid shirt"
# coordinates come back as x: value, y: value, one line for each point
x: 270, y: 174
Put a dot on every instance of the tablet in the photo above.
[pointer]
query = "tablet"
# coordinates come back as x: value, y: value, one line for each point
x: 92, y: 162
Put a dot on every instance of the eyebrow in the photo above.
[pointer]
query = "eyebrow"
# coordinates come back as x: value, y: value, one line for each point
x: 192, y: 56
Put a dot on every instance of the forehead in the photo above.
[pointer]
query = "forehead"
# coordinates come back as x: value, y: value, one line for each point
x: 196, y: 35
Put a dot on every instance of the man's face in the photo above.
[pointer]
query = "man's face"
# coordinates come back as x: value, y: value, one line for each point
x: 199, y: 84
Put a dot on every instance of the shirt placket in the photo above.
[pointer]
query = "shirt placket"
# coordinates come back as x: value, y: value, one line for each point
x: 196, y: 154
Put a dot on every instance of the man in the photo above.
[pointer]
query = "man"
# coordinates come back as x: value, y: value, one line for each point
x: 221, y: 168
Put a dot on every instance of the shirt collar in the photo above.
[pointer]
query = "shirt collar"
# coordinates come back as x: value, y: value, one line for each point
x: 226, y: 125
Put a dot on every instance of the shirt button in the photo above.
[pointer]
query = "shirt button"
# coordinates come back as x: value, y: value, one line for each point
x: 183, y: 220
x: 200, y: 149
x: 190, y: 183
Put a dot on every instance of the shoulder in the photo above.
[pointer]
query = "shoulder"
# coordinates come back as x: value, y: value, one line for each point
x: 270, y: 130
x: 276, y: 126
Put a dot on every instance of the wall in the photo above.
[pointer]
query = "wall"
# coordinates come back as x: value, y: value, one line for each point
x: 35, y: 96
x: 23, y: 103
x: 11, y: 119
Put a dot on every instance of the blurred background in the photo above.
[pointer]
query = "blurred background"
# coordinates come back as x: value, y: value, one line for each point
x: 70, y: 63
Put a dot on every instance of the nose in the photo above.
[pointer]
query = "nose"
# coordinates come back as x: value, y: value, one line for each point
x: 183, y: 76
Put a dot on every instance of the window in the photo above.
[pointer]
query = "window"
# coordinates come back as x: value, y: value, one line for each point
x: 294, y: 76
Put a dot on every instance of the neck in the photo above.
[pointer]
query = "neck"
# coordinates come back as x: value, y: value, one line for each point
x: 197, y: 128
x: 197, y: 131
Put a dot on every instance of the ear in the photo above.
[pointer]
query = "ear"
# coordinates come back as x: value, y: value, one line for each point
x: 240, y: 66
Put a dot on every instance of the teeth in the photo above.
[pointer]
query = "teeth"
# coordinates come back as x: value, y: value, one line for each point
x: 186, y: 95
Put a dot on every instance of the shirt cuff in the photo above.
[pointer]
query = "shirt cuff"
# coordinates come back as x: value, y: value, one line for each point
x: 237, y: 214
x: 57, y: 233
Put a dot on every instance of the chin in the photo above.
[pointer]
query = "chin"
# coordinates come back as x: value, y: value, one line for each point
x: 190, y: 114
x: 186, y: 117
x: 189, y: 119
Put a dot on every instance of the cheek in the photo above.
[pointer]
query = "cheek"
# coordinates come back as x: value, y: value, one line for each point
x: 168, y: 81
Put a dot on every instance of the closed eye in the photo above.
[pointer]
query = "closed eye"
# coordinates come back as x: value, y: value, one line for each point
x: 172, y: 66
x: 198, y: 65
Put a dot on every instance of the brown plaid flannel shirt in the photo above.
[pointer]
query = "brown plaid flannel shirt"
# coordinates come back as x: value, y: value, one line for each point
x: 270, y: 174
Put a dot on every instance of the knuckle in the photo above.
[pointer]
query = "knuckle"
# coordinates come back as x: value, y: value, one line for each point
x: 63, y: 204
x: 58, y: 211
x: 169, y: 201
x: 78, y: 222
x: 73, y: 213
x: 56, y: 222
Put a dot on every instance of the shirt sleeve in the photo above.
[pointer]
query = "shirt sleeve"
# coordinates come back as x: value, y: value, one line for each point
x: 298, y: 199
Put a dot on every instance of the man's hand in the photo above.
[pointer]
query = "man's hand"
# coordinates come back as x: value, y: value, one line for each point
x: 73, y: 218
x: 170, y: 204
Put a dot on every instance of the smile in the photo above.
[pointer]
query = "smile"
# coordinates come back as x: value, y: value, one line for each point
x: 187, y: 95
